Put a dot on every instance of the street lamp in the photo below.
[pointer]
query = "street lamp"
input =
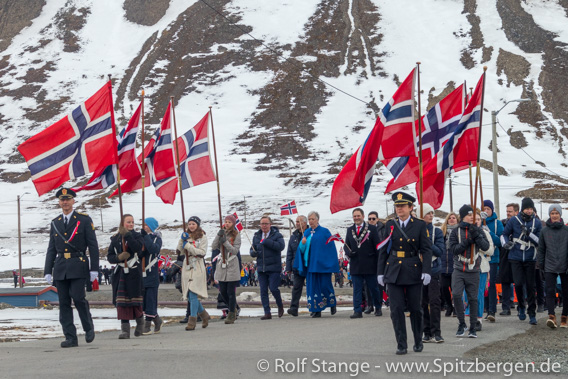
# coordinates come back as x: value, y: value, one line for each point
x: 20, y: 238
x: 494, y: 149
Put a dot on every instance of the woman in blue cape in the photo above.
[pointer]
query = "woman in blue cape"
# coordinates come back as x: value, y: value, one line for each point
x: 317, y: 260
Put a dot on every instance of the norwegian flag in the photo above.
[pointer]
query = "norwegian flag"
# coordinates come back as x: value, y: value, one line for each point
x: 165, y: 261
x: 195, y: 163
x: 335, y: 237
x: 78, y: 144
x: 129, y: 166
x: 238, y: 224
x: 289, y: 209
x: 392, y: 136
x: 437, y: 127
x: 460, y: 149
x: 159, y: 160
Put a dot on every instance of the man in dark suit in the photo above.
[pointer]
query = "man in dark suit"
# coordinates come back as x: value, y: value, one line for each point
x: 67, y: 265
x: 361, y: 248
x: 405, y: 264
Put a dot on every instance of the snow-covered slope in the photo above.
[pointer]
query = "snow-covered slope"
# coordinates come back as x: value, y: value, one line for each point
x: 281, y: 134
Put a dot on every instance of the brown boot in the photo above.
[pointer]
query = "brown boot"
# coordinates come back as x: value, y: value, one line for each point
x: 563, y: 323
x: 125, y: 328
x: 147, y: 328
x: 191, y: 323
x: 551, y: 322
x: 204, y: 318
x: 230, y: 318
x: 139, y: 327
x: 157, y: 324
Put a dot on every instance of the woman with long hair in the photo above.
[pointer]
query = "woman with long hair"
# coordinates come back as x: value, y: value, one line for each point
x: 193, y: 246
x: 228, y: 272
x: 126, y: 251
x: 450, y: 223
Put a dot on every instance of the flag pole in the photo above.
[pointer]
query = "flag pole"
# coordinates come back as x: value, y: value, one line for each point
x: 218, y: 187
x: 451, y: 196
x: 420, y: 168
x: 115, y: 149
x: 178, y: 171
x: 143, y: 178
x: 478, y: 169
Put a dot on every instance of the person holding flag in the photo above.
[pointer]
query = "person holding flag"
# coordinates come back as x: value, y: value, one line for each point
x: 152, y: 244
x: 193, y: 245
x: 361, y: 248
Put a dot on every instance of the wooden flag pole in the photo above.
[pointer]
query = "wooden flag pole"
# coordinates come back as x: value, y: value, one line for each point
x: 478, y: 168
x: 116, y: 152
x: 178, y: 171
x: 470, y: 185
x: 224, y: 256
x: 420, y: 168
x: 451, y: 196
x: 143, y: 178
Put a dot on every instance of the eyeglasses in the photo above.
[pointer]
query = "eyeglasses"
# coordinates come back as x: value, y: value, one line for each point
x: 264, y: 223
x: 372, y: 218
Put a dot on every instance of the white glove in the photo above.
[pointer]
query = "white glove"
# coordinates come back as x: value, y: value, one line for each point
x: 48, y: 278
x: 486, y: 228
x: 94, y: 275
x: 426, y: 279
x: 483, y: 215
x: 381, y: 280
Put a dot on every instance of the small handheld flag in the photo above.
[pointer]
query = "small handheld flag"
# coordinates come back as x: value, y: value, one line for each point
x: 335, y: 237
x: 289, y: 209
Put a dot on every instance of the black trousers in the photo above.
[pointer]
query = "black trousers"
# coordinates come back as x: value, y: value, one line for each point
x: 399, y: 296
x: 550, y: 278
x: 445, y: 289
x: 524, y: 277
x: 73, y: 289
x: 539, y: 286
x: 229, y: 294
x: 299, y: 281
x: 432, y: 306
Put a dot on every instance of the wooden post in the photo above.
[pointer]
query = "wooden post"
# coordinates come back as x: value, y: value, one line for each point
x: 19, y: 242
x: 217, y: 177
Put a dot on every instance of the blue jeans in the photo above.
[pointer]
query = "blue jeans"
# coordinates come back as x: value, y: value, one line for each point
x: 196, y: 306
x: 493, y: 271
x: 270, y: 280
x: 358, y: 291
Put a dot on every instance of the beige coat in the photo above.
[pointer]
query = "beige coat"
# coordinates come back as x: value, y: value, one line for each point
x: 194, y: 275
x: 232, y: 272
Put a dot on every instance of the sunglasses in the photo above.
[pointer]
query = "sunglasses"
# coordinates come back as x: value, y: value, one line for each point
x: 372, y: 218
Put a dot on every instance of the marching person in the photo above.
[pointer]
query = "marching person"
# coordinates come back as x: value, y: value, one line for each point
x: 521, y: 237
x: 361, y: 248
x: 67, y: 265
x: 299, y: 280
x: 193, y: 245
x: 505, y: 275
x: 227, y: 269
x: 126, y: 250
x: 447, y: 261
x: 152, y: 244
x: 495, y: 230
x: 405, y: 265
x: 431, y: 295
x: 267, y: 245
x: 467, y: 240
x: 553, y: 261
x: 317, y: 261
x: 15, y: 276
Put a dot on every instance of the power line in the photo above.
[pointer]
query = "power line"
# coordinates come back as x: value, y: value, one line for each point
x: 292, y: 61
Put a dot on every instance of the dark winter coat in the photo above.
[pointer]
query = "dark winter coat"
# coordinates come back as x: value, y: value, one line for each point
x: 460, y: 246
x: 292, y: 247
x: 553, y: 248
x: 127, y: 287
x: 152, y: 245
x: 496, y: 230
x: 526, y: 244
x: 268, y: 252
x: 447, y: 259
x: 363, y: 259
x: 438, y: 247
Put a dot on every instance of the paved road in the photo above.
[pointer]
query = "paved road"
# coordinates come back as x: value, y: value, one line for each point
x: 233, y: 351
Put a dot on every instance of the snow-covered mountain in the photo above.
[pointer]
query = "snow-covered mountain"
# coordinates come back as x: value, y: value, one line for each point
x: 270, y: 70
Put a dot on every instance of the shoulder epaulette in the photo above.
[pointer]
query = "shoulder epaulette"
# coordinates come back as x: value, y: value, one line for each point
x: 82, y: 213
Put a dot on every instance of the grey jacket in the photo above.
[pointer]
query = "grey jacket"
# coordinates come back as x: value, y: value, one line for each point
x: 553, y: 248
x: 461, y: 241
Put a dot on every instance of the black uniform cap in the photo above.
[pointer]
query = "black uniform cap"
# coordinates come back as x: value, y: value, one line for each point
x: 402, y: 198
x: 65, y: 193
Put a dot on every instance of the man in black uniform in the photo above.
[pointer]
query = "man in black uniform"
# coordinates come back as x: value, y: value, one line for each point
x: 361, y: 247
x: 67, y: 265
x: 405, y: 264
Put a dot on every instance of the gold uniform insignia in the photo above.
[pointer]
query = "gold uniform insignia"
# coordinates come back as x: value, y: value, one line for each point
x: 427, y: 233
x: 93, y: 226
x: 64, y: 191
x: 399, y: 196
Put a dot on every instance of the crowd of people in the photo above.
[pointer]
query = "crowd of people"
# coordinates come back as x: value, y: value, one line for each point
x: 417, y: 269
